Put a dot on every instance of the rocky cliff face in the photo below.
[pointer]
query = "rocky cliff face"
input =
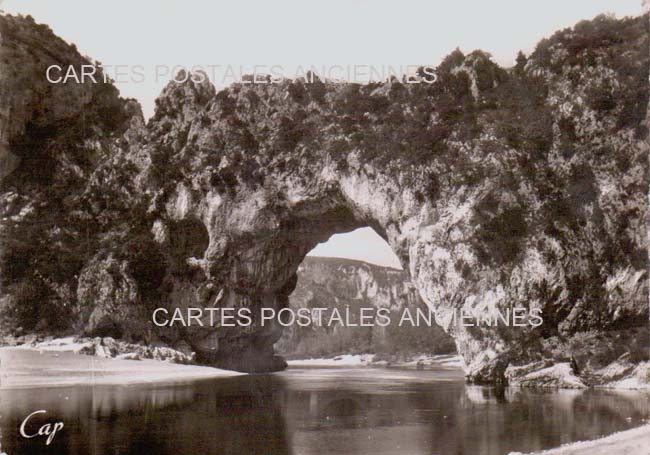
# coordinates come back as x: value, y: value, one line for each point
x: 349, y: 286
x: 54, y: 141
x: 497, y: 188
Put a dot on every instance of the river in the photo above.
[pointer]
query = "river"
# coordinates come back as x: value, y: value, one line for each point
x: 314, y: 411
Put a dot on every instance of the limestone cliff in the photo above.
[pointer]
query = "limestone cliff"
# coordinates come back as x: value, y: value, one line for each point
x: 497, y: 188
x: 54, y: 141
x: 349, y: 285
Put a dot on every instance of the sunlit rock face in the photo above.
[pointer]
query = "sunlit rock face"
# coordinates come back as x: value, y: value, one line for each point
x: 497, y: 188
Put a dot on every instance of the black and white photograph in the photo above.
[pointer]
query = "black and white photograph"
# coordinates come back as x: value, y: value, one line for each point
x: 354, y: 227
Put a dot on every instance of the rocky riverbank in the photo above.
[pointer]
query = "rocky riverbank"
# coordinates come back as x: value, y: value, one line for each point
x: 106, y: 348
x: 421, y: 361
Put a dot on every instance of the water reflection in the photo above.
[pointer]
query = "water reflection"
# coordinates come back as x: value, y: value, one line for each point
x: 241, y: 415
x: 342, y: 411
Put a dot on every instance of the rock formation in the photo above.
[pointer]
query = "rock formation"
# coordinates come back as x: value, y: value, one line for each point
x: 350, y: 286
x: 497, y: 188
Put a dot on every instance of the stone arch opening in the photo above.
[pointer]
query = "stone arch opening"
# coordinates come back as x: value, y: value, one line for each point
x: 258, y: 266
x: 262, y: 273
x: 358, y: 276
x: 257, y: 238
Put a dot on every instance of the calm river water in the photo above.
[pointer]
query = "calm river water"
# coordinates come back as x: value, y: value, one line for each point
x: 314, y: 411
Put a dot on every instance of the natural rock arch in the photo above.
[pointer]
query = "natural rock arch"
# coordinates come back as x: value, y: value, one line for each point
x: 495, y: 187
x: 274, y: 169
x: 256, y: 265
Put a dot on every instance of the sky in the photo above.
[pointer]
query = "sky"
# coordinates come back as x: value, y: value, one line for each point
x: 293, y: 33
x: 363, y: 244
